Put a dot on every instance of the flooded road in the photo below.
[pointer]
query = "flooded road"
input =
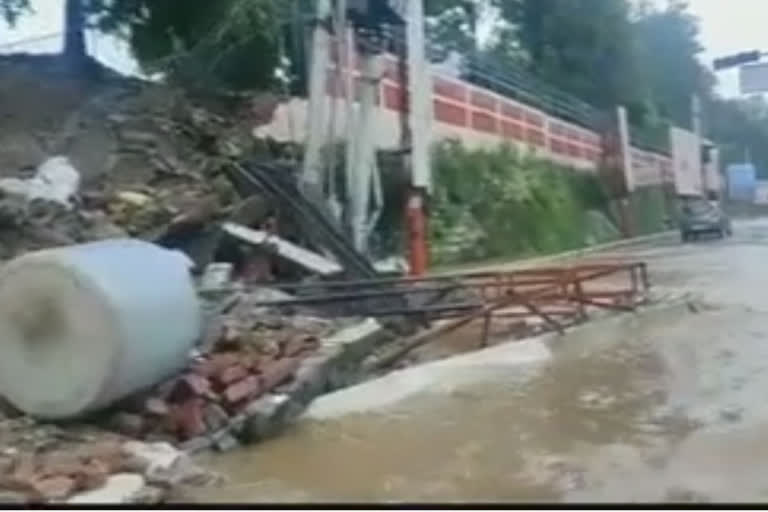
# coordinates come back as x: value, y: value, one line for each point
x: 659, y: 406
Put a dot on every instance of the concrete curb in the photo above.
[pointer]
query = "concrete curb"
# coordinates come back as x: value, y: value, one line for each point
x: 511, y: 358
x: 530, y: 262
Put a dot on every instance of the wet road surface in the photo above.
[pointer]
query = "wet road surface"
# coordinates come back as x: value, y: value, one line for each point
x: 665, y: 405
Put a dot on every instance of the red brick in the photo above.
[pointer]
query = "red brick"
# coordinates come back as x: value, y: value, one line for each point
x: 26, y: 466
x: 278, y: 372
x: 56, y: 488
x: 262, y: 361
x: 95, y: 473
x: 110, y: 453
x: 251, y: 360
x: 189, y: 418
x: 25, y: 486
x: 216, y: 363
x: 61, y: 464
x: 246, y: 388
x: 233, y: 374
x: 86, y: 474
x: 191, y: 385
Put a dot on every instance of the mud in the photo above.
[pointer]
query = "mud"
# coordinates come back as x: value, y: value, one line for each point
x: 662, y: 406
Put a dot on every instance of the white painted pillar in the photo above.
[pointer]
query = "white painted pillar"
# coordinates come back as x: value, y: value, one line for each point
x: 317, y: 119
x: 362, y: 166
x: 420, y: 97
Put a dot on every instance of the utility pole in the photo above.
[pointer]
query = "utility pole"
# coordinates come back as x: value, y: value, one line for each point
x: 421, y: 138
x: 696, y: 126
x: 312, y: 172
x: 362, y: 167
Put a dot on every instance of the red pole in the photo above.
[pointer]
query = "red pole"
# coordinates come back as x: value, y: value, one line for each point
x: 416, y: 225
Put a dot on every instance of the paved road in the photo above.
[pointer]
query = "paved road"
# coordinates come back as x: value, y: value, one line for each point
x: 664, y: 405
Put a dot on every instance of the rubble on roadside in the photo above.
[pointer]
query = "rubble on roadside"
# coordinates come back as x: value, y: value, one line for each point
x: 259, y: 371
x: 75, y: 463
x: 251, y: 353
x: 136, y: 160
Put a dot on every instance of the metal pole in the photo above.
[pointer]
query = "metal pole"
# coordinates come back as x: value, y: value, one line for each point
x: 363, y: 164
x: 625, y: 148
x: 318, y: 103
x: 421, y: 137
x: 696, y: 127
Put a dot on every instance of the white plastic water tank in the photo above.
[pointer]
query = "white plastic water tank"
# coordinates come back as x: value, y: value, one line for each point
x: 86, y: 325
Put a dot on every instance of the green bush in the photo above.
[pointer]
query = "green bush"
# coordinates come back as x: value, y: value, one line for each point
x: 499, y: 203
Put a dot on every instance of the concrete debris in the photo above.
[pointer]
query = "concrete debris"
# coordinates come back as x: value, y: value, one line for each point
x: 253, y: 381
x: 216, y: 276
x: 85, y: 465
x: 311, y: 261
x: 55, y: 180
x: 165, y: 466
x: 394, y: 265
x: 248, y: 361
x: 122, y: 488
x: 146, y: 162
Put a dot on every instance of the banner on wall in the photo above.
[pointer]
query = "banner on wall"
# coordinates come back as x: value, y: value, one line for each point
x: 686, y: 162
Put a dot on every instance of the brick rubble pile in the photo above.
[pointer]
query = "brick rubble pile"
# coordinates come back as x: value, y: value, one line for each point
x: 253, y: 352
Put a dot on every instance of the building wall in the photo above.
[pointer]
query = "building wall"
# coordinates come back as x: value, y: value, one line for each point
x: 476, y: 116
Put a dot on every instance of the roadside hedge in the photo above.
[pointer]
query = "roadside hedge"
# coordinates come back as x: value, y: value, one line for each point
x: 492, y: 203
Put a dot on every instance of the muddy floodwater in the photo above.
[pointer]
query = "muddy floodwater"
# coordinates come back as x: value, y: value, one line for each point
x: 666, y: 405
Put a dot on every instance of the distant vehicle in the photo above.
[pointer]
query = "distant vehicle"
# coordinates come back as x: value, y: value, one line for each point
x: 699, y: 216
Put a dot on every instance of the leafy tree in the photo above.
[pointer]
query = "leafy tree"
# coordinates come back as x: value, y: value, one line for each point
x: 74, y: 23
x: 667, y: 43
x: 740, y: 127
x: 10, y: 10
x: 230, y: 44
x: 453, y: 23
x: 572, y: 43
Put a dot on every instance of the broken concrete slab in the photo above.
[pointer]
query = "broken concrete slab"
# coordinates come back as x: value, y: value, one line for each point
x: 164, y: 465
x: 122, y: 488
x: 309, y: 260
x: 399, y: 385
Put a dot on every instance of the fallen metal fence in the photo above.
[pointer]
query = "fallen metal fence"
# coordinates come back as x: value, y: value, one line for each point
x: 557, y: 297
